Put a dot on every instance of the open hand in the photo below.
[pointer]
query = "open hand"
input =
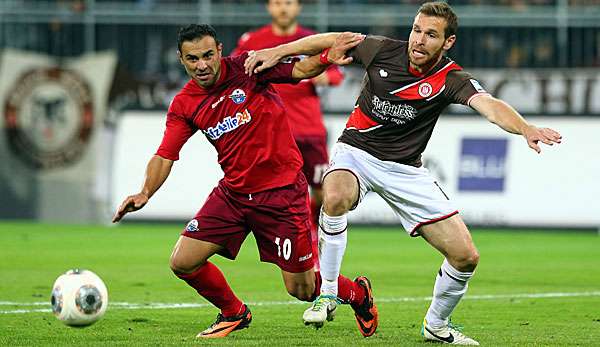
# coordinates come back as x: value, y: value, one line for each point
x: 344, y: 42
x: 534, y: 135
x: 130, y: 204
x: 258, y: 61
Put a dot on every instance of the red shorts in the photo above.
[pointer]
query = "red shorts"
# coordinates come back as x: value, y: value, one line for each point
x: 316, y: 161
x: 279, y: 219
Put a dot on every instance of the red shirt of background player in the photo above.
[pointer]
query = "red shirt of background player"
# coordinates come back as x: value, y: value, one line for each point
x: 301, y: 100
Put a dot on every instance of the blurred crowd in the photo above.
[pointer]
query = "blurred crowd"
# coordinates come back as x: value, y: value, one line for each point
x: 147, y: 52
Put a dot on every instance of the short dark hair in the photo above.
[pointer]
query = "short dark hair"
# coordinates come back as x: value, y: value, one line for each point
x: 195, y: 31
x: 442, y: 10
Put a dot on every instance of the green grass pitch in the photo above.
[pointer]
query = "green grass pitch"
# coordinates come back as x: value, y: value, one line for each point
x: 561, y: 271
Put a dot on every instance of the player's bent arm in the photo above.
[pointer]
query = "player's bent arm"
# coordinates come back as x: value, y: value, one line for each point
x: 308, y: 68
x: 258, y: 61
x: 316, y: 64
x: 157, y: 171
x: 507, y: 118
x: 321, y: 80
x: 332, y: 77
x: 309, y: 45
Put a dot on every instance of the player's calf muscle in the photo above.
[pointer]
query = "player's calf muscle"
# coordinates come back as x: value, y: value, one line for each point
x: 302, y: 291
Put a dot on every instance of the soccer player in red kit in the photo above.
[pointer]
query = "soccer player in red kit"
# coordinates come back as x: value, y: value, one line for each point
x: 301, y: 100
x: 263, y: 189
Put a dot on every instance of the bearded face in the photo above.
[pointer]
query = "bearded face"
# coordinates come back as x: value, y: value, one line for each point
x: 427, y: 42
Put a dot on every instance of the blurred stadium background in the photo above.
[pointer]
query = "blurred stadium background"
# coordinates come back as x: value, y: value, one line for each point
x: 85, y: 84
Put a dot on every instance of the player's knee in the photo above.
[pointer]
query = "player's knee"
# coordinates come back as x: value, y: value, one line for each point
x: 467, y: 261
x: 336, y: 203
x: 182, y: 266
x: 473, y: 259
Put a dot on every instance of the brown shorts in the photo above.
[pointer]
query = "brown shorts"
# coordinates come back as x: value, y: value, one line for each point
x: 279, y: 219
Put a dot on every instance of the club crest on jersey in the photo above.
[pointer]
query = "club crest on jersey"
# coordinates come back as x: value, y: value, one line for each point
x: 192, y: 226
x: 238, y: 96
x: 425, y: 89
x: 229, y: 123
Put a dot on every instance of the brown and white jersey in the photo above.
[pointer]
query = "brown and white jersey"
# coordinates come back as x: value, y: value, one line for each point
x: 396, y: 111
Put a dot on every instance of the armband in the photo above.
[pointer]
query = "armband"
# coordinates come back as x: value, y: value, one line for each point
x: 323, y: 57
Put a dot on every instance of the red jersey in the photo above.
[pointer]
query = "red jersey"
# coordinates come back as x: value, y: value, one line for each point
x: 244, y: 119
x: 301, y: 100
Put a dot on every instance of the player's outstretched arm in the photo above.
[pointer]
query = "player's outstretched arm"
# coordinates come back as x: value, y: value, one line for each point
x: 157, y: 171
x: 506, y: 117
x: 316, y: 64
x: 258, y: 61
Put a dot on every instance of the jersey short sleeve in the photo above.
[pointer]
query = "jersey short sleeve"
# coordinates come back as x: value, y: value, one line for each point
x: 366, y: 51
x: 178, y: 131
x: 280, y: 73
x: 461, y: 86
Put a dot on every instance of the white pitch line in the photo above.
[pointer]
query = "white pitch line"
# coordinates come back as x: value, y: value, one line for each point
x: 154, y: 306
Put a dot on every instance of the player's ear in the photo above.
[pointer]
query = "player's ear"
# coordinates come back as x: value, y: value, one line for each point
x: 220, y: 48
x: 180, y: 56
x: 449, y: 42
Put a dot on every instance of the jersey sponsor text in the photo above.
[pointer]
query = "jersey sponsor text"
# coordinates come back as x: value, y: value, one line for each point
x: 228, y: 124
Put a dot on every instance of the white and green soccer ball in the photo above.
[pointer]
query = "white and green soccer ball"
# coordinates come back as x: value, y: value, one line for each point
x: 79, y: 298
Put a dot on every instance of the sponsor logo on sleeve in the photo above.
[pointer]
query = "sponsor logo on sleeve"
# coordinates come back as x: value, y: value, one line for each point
x: 477, y: 86
x: 192, y: 226
x: 482, y: 164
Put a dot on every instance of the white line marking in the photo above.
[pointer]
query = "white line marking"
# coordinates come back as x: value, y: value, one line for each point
x: 156, y: 305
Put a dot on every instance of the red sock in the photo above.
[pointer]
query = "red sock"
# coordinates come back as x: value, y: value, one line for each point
x: 210, y: 283
x: 349, y: 291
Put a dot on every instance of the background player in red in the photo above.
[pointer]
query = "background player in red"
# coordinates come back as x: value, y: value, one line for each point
x: 406, y: 87
x: 301, y: 101
x: 263, y: 189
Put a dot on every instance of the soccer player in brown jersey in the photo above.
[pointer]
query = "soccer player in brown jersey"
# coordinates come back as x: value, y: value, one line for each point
x: 407, y: 85
x: 263, y: 190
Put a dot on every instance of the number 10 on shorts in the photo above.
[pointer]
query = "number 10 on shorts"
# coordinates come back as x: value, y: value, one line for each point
x: 287, y: 248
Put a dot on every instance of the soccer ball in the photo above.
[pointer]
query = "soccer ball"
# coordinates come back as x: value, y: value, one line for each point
x: 79, y: 297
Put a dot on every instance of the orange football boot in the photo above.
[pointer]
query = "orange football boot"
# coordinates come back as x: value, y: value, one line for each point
x: 223, y: 326
x: 366, y: 314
